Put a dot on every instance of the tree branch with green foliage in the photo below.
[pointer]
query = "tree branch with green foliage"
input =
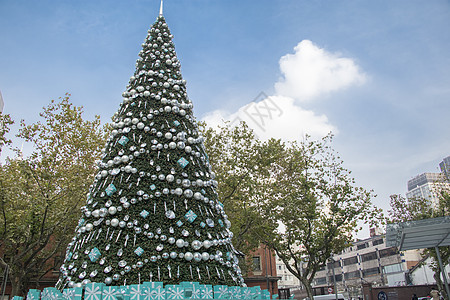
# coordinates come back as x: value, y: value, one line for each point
x: 312, y: 207
x: 41, y: 193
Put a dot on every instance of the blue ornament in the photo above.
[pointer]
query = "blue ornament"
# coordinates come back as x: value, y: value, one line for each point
x: 139, y: 251
x: 94, y: 254
x: 144, y: 214
x: 190, y: 216
x: 123, y: 140
x: 183, y: 162
x: 111, y: 189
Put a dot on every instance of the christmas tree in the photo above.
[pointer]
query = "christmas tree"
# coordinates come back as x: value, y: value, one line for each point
x: 152, y: 213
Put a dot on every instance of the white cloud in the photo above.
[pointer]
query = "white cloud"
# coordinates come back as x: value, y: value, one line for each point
x: 311, y: 72
x: 275, y: 116
x: 308, y: 73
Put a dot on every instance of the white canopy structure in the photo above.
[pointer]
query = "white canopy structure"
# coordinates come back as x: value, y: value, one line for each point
x: 421, y: 234
x: 428, y: 233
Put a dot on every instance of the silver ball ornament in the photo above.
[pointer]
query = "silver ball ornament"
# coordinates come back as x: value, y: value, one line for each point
x: 207, y: 244
x: 197, y: 257
x: 188, y: 256
x: 188, y: 193
x: 180, y: 243
x: 112, y: 210
x: 196, y: 244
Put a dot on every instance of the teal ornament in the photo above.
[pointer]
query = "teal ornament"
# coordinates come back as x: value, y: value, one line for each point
x: 123, y: 140
x: 190, y: 216
x: 202, y: 224
x: 144, y: 214
x: 153, y: 187
x: 176, y: 123
x: 94, y: 254
x: 111, y: 189
x: 179, y: 223
x: 139, y: 251
x: 183, y: 162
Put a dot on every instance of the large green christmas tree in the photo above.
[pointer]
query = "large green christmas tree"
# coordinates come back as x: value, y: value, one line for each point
x: 152, y: 213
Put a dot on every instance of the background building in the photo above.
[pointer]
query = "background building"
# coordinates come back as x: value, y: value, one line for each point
x: 444, y: 165
x: 426, y: 186
x: 366, y: 261
x: 263, y: 270
x: 288, y: 282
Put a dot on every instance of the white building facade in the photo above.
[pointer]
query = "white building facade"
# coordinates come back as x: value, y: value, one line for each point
x: 288, y: 280
x: 366, y: 261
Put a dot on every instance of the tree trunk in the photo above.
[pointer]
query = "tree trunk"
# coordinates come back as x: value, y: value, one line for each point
x: 18, y: 283
x: 440, y: 284
x: 308, y: 287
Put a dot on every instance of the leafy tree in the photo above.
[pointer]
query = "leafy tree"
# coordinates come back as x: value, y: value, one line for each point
x: 5, y: 123
x: 240, y: 162
x: 414, y: 209
x: 312, y: 207
x: 39, y: 193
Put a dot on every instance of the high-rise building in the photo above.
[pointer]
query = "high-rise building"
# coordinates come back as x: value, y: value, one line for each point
x: 428, y: 185
x: 444, y: 165
x: 424, y: 186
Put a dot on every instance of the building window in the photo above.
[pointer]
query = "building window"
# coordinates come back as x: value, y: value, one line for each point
x: 395, y: 268
x: 350, y: 261
x: 257, y: 263
x: 369, y: 256
x: 371, y: 271
x: 337, y: 277
x: 321, y: 280
x: 377, y: 242
x: 362, y: 246
x: 336, y: 264
x: 388, y: 252
x: 351, y: 275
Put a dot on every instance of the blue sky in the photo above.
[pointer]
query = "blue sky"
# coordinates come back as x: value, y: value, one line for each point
x: 377, y: 73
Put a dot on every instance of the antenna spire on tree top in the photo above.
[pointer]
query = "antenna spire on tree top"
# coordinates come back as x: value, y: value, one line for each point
x: 161, y: 9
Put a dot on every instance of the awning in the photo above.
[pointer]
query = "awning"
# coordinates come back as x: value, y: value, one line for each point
x: 428, y: 233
